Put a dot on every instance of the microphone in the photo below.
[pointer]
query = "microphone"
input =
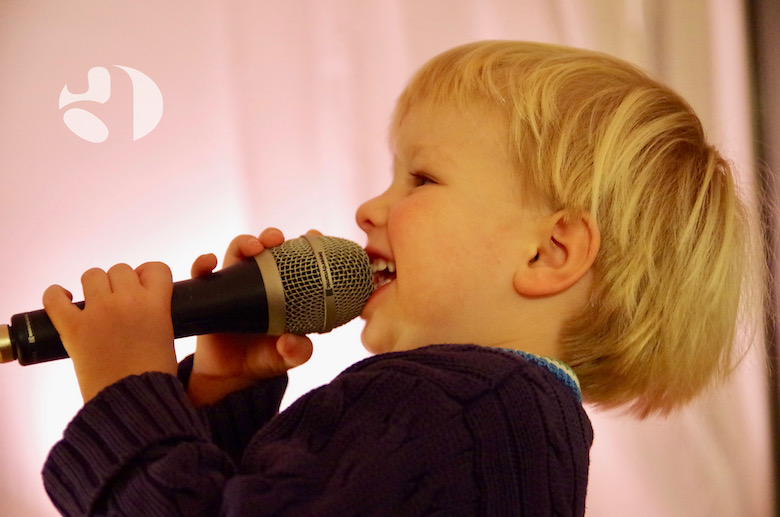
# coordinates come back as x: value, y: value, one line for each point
x: 309, y: 284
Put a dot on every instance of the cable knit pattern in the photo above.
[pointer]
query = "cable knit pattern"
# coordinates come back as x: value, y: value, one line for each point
x: 442, y: 430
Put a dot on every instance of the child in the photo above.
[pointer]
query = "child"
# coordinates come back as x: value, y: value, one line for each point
x: 555, y: 219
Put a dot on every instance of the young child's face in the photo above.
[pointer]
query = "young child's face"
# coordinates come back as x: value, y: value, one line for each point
x: 453, y: 229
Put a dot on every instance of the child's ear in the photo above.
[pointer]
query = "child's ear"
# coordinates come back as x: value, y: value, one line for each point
x: 566, y: 246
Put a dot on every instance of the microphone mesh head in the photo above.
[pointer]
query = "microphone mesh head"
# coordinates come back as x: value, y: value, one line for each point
x: 305, y: 291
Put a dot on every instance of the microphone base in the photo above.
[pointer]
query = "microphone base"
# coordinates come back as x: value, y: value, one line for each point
x: 7, y: 353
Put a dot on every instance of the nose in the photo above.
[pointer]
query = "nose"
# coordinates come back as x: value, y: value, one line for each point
x: 372, y: 213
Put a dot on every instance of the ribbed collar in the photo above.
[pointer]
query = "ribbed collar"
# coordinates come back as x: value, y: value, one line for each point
x: 561, y: 370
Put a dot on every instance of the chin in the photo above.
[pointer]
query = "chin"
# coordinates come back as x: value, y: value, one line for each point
x: 373, y: 344
x: 378, y: 339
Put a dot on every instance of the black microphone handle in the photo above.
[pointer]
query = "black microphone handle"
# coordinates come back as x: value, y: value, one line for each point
x: 230, y: 300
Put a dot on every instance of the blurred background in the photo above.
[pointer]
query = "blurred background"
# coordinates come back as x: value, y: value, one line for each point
x: 147, y: 130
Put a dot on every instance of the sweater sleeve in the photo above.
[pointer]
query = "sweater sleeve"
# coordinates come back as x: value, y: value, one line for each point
x: 236, y: 418
x: 140, y: 448
x: 133, y: 446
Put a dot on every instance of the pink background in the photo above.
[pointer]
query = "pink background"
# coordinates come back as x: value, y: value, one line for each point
x: 276, y: 113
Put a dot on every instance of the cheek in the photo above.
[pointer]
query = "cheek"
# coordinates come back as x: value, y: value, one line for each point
x: 431, y: 245
x: 423, y: 225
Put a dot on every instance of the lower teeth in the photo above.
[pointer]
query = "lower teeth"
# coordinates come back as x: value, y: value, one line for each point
x: 382, y: 280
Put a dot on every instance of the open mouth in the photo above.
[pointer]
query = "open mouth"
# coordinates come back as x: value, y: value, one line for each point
x: 383, y: 270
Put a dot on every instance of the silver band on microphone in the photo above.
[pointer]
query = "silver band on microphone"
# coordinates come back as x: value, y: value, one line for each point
x: 274, y: 291
x: 329, y: 297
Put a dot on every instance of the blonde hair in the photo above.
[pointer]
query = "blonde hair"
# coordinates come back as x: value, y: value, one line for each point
x: 593, y: 133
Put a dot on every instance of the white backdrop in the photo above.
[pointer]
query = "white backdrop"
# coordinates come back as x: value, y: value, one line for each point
x: 275, y: 113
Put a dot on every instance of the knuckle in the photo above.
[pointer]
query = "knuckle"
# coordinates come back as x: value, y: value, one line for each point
x: 92, y: 273
x: 119, y: 268
x: 161, y: 269
x: 239, y: 240
x: 161, y: 266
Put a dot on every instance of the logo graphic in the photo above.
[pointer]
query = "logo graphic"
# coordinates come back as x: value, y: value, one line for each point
x: 147, y: 104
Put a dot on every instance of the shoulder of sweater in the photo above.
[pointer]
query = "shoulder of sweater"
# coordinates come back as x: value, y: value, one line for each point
x: 436, y: 385
x: 463, y: 360
x: 418, y: 395
x: 468, y: 371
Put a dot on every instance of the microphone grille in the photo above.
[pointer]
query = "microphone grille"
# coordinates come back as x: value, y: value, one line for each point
x: 317, y: 302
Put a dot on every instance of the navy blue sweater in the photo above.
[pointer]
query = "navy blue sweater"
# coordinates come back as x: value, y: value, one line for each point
x: 442, y: 430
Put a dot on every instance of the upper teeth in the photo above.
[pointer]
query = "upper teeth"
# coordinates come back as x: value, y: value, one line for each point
x: 381, y: 264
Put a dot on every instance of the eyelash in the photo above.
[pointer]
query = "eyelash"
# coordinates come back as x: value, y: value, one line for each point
x: 419, y: 179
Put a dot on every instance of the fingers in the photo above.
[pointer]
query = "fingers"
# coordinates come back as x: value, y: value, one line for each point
x: 58, y: 303
x: 155, y: 276
x: 248, y: 246
x: 151, y: 275
x: 245, y: 246
x: 240, y: 248
x: 95, y: 283
x: 269, y: 356
x: 119, y: 277
x: 294, y: 349
x: 271, y: 237
x: 203, y: 265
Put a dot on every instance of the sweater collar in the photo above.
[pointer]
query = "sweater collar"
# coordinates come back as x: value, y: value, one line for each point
x: 560, y: 369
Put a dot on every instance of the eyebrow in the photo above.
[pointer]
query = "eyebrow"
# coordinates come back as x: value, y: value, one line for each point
x: 426, y: 152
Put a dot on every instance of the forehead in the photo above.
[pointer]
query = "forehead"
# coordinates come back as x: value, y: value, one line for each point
x: 428, y: 127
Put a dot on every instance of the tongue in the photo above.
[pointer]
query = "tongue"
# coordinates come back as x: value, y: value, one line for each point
x: 383, y: 277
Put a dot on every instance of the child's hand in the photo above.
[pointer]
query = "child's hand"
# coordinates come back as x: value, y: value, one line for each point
x: 228, y: 362
x: 124, y: 329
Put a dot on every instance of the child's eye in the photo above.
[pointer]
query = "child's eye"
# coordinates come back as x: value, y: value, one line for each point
x: 419, y: 179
